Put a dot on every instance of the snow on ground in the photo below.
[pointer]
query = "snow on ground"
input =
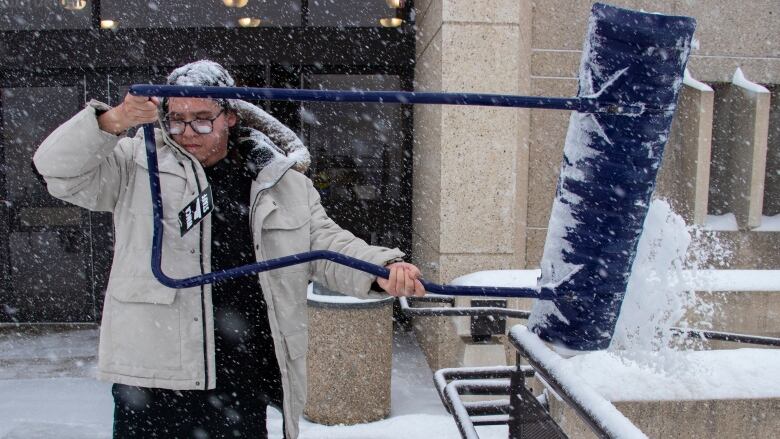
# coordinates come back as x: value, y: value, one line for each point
x: 51, y: 354
x: 46, y: 391
x: 725, y: 223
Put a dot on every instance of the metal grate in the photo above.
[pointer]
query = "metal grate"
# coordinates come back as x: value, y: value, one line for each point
x: 528, y: 418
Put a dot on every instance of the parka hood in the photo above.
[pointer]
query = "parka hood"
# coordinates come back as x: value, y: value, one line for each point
x: 270, y: 135
x: 270, y: 139
x: 273, y: 140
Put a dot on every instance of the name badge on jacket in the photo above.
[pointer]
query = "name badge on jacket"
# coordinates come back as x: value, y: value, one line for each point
x: 195, y: 211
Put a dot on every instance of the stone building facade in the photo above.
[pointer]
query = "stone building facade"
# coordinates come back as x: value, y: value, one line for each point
x: 484, y: 178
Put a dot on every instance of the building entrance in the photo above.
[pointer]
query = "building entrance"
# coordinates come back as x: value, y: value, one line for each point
x: 55, y: 257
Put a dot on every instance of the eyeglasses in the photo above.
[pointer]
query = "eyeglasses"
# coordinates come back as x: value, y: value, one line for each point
x: 200, y: 126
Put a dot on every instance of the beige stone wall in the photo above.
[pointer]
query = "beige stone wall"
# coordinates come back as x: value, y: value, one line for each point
x: 747, y: 36
x: 705, y: 419
x: 753, y: 312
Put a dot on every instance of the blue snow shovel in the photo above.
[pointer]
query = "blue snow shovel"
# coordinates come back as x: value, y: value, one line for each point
x: 630, y: 75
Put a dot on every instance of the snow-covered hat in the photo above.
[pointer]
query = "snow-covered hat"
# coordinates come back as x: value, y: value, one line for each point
x: 203, y: 73
x: 211, y: 74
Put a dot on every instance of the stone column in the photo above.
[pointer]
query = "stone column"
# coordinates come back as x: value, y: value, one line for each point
x: 772, y: 182
x: 739, y: 151
x: 470, y: 163
x: 684, y: 177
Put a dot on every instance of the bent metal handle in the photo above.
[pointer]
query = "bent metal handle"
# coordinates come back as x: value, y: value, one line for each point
x: 300, y: 258
x: 581, y: 104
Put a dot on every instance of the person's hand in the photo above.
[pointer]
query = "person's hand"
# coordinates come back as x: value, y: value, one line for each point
x: 134, y: 110
x: 404, y: 280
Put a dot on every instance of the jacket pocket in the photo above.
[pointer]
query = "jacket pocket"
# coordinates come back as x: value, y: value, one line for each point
x: 134, y: 290
x: 285, y: 232
x: 172, y: 192
x: 145, y: 327
x: 297, y: 344
x: 287, y: 218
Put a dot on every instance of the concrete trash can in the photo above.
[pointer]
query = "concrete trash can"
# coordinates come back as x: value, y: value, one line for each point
x: 350, y: 358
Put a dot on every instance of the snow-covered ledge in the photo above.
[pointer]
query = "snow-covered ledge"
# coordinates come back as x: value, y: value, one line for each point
x: 682, y: 394
x: 742, y: 301
x: 709, y: 280
x: 665, y: 394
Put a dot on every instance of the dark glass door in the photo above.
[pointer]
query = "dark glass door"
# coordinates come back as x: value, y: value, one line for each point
x: 359, y: 158
x: 45, y: 243
x: 54, y: 257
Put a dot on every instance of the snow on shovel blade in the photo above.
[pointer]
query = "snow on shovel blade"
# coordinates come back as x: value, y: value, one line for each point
x: 634, y: 58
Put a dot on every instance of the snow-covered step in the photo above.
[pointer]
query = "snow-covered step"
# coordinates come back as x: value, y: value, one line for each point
x: 701, y: 394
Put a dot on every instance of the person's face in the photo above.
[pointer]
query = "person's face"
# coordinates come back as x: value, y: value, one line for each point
x: 207, y: 148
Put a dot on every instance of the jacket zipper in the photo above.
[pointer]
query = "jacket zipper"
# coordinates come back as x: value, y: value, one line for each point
x: 285, y: 395
x: 204, y: 329
x: 202, y: 290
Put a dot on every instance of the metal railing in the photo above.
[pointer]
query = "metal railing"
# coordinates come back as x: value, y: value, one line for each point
x: 728, y: 336
x: 529, y: 418
x: 601, y: 416
x: 457, y: 312
x: 442, y: 377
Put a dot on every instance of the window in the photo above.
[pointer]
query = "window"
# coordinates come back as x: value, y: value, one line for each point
x: 40, y: 15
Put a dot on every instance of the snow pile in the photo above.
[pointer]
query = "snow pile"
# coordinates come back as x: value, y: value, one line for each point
x: 499, y: 278
x: 739, y: 80
x: 690, y: 81
x: 769, y: 224
x: 658, y: 294
x: 681, y: 375
x: 724, y: 223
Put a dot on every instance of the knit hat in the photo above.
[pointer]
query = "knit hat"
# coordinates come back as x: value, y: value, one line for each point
x: 203, y: 73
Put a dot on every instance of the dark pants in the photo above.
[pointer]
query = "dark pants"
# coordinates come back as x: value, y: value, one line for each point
x: 141, y: 412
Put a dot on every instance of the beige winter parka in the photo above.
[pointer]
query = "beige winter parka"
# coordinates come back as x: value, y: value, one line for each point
x: 154, y: 336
